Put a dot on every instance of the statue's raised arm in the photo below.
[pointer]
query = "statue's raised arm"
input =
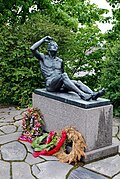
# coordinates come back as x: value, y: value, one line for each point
x: 35, y: 46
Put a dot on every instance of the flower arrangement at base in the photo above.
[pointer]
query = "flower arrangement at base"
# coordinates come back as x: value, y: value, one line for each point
x: 32, y: 125
x: 55, y: 144
x: 52, y: 143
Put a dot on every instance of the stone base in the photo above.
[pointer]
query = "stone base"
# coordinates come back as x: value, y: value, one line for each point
x: 101, y: 153
x: 93, y: 119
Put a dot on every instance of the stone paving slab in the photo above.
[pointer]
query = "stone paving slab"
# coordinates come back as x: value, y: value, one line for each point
x: 118, y: 135
x: 51, y: 170
x: 8, y: 129
x: 28, y: 146
x: 109, y: 166
x: 18, y: 125
x: 8, y: 119
x: 1, y: 133
x: 4, y: 170
x: 5, y: 116
x: 7, y: 109
x: 6, y: 123
x: 18, y: 117
x: 115, y: 140
x: 21, y: 170
x: 31, y: 160
x: 13, y: 151
x: 115, y: 131
x: 9, y: 137
x: 116, y: 122
x: 0, y: 154
x: 117, y: 176
x: 82, y: 173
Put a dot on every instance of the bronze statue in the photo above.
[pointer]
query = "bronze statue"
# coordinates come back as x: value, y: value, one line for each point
x: 56, y: 79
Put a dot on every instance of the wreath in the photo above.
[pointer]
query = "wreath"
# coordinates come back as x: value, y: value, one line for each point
x: 32, y: 124
x: 78, y: 146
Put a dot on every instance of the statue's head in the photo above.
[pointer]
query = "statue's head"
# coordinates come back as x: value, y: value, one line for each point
x: 52, y: 48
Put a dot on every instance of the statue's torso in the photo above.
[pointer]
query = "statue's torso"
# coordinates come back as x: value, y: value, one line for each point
x: 50, y: 68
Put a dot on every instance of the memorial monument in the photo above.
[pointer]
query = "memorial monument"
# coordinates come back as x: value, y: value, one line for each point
x: 65, y: 102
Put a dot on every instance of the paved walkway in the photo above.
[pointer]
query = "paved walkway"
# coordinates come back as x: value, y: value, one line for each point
x: 17, y: 162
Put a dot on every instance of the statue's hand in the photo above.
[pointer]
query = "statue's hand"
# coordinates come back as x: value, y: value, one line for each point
x: 48, y: 39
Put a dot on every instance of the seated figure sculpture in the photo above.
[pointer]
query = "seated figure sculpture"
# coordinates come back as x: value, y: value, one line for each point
x: 56, y: 79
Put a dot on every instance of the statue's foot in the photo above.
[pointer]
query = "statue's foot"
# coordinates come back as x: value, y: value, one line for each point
x: 86, y: 97
x: 98, y: 94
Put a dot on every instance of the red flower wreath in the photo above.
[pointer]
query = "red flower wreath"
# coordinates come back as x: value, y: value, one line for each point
x: 32, y: 124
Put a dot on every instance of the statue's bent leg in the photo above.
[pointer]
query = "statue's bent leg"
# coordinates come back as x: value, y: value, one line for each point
x: 55, y: 84
x: 72, y: 87
x: 86, y: 89
x: 82, y: 87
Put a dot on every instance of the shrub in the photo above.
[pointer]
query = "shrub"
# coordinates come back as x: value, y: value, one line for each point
x: 20, y: 73
x: 111, y: 77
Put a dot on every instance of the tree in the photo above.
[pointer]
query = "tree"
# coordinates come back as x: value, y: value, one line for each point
x: 17, y: 11
x: 111, y: 72
x: 114, y: 34
x: 60, y: 12
x: 111, y: 76
x: 76, y: 12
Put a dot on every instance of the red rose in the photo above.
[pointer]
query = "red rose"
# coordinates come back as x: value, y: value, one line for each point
x: 35, y: 114
x: 29, y: 110
x: 37, y: 125
x: 23, y: 122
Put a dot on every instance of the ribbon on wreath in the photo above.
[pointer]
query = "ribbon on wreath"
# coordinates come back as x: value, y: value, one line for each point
x: 55, y: 149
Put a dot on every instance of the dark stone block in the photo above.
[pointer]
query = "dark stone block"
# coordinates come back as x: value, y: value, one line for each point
x: 73, y: 99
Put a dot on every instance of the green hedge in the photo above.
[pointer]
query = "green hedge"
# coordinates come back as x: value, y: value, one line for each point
x: 20, y: 74
x: 111, y: 76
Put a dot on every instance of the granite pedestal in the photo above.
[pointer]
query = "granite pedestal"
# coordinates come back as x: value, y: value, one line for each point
x: 92, y: 118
